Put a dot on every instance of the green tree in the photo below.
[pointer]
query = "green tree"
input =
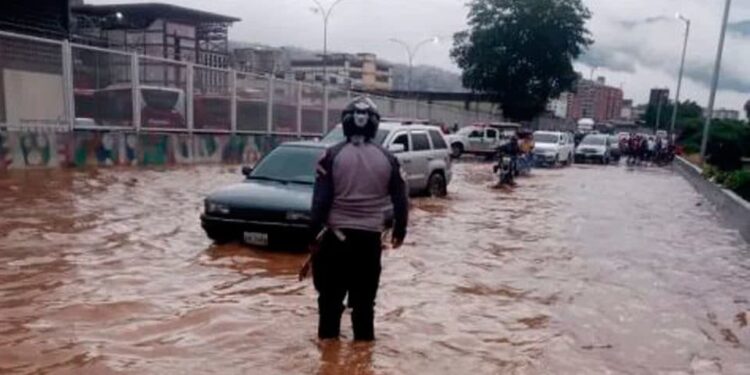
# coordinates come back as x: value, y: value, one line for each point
x: 521, y: 51
x: 689, y: 112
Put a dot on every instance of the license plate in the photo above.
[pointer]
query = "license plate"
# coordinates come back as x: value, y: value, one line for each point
x: 255, y: 238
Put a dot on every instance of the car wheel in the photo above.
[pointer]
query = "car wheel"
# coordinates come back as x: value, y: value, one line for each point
x: 437, y: 187
x: 456, y: 150
x: 556, y: 163
x: 219, y: 237
x: 569, y: 162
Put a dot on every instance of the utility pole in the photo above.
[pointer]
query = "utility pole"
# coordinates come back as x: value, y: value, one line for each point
x: 715, y: 81
x: 679, y: 78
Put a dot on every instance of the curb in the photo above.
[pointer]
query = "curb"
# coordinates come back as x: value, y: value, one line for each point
x: 734, y: 210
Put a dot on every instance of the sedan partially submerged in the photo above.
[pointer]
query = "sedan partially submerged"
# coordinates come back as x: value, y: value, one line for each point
x: 272, y: 206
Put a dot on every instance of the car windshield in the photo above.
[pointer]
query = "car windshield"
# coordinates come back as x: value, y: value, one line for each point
x: 337, y: 135
x: 546, y: 138
x: 594, y: 140
x: 289, y: 164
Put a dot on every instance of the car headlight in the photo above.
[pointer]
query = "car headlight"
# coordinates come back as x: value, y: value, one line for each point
x: 297, y: 216
x: 216, y: 208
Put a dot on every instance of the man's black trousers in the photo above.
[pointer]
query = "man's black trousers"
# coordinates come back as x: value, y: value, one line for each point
x: 350, y: 267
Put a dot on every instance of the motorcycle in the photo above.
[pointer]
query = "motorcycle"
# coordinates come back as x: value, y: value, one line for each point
x: 504, y: 170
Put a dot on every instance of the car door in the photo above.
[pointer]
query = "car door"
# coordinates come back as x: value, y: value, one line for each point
x: 421, y: 156
x: 564, y: 147
x: 491, y: 140
x: 476, y: 138
x: 406, y: 158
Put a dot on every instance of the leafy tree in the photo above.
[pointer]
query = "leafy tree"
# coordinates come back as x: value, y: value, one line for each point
x: 689, y: 112
x: 521, y: 51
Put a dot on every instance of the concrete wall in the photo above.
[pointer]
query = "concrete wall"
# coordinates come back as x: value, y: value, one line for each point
x: 48, y: 149
x: 734, y: 210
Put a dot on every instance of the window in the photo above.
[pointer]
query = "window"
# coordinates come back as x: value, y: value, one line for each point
x: 437, y: 140
x: 491, y: 133
x: 475, y: 134
x: 421, y: 142
x: 402, y: 139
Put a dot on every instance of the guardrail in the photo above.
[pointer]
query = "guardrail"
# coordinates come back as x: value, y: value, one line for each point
x: 734, y: 210
x: 65, y: 86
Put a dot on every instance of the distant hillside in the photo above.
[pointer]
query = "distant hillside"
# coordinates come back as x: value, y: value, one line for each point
x: 424, y: 78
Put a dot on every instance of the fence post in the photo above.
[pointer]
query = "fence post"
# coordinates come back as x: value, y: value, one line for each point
x: 299, y: 109
x: 233, y: 105
x: 190, y: 100
x: 269, y: 110
x: 325, y: 109
x: 135, y: 85
x: 68, y: 88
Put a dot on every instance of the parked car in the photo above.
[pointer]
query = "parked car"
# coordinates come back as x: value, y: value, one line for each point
x: 272, y: 207
x: 553, y: 148
x: 615, y: 153
x: 274, y: 202
x: 482, y: 139
x: 594, y: 147
x: 421, y: 149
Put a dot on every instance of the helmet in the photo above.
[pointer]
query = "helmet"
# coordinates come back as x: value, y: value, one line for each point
x: 360, y: 117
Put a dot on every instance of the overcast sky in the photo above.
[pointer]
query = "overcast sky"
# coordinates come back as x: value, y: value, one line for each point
x: 638, y: 42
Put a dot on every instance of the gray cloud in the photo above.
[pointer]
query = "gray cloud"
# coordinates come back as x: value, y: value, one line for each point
x: 740, y: 28
x: 612, y: 59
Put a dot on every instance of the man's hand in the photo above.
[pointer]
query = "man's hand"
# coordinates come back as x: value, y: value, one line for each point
x: 396, y: 243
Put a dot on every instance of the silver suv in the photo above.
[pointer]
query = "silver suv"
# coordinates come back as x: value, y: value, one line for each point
x: 421, y: 149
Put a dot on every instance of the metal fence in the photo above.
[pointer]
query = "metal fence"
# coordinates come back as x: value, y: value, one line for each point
x: 67, y: 86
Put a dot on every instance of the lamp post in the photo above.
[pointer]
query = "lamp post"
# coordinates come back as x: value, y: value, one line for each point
x: 679, y: 77
x: 411, y: 51
x: 715, y: 80
x: 326, y: 13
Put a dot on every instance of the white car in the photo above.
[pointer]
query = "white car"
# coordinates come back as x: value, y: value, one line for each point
x: 421, y: 149
x: 553, y: 148
x: 594, y: 147
x: 482, y: 139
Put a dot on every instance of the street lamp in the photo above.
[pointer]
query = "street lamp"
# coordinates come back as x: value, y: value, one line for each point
x: 326, y: 13
x: 679, y: 77
x: 411, y: 51
x: 715, y: 81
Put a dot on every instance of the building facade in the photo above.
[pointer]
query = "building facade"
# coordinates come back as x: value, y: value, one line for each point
x: 595, y: 100
x: 163, y: 31
x: 362, y: 71
x: 724, y: 114
x: 259, y: 60
x: 626, y: 113
x: 559, y: 106
x: 658, y: 95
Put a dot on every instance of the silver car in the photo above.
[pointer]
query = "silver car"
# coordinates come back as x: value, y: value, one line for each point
x: 422, y: 150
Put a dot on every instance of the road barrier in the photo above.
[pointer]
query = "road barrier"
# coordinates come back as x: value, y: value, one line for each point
x: 734, y: 210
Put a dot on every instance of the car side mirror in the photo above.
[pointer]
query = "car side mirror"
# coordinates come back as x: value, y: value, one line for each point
x: 396, y: 148
x: 247, y: 170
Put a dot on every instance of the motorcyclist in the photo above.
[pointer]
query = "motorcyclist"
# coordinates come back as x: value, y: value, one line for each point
x: 510, y: 150
x: 356, y: 182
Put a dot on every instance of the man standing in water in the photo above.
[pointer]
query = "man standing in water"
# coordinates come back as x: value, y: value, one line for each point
x: 356, y: 182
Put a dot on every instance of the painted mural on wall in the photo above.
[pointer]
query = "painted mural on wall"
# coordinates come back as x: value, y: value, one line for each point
x: 103, y: 148
x: 33, y: 149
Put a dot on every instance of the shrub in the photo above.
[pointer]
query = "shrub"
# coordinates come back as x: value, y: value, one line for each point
x: 739, y: 182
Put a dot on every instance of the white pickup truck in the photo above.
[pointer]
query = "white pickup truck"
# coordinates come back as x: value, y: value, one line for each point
x: 481, y: 139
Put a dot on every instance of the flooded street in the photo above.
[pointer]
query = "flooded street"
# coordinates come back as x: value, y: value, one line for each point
x: 586, y: 270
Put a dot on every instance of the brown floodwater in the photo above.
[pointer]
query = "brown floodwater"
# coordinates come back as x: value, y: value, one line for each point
x: 585, y: 270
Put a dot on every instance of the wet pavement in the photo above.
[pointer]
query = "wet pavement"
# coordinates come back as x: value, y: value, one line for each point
x: 585, y: 270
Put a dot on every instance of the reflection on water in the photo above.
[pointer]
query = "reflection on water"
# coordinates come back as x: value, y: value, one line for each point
x: 586, y: 270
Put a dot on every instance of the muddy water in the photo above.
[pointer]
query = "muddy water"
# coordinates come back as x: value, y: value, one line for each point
x: 586, y: 270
